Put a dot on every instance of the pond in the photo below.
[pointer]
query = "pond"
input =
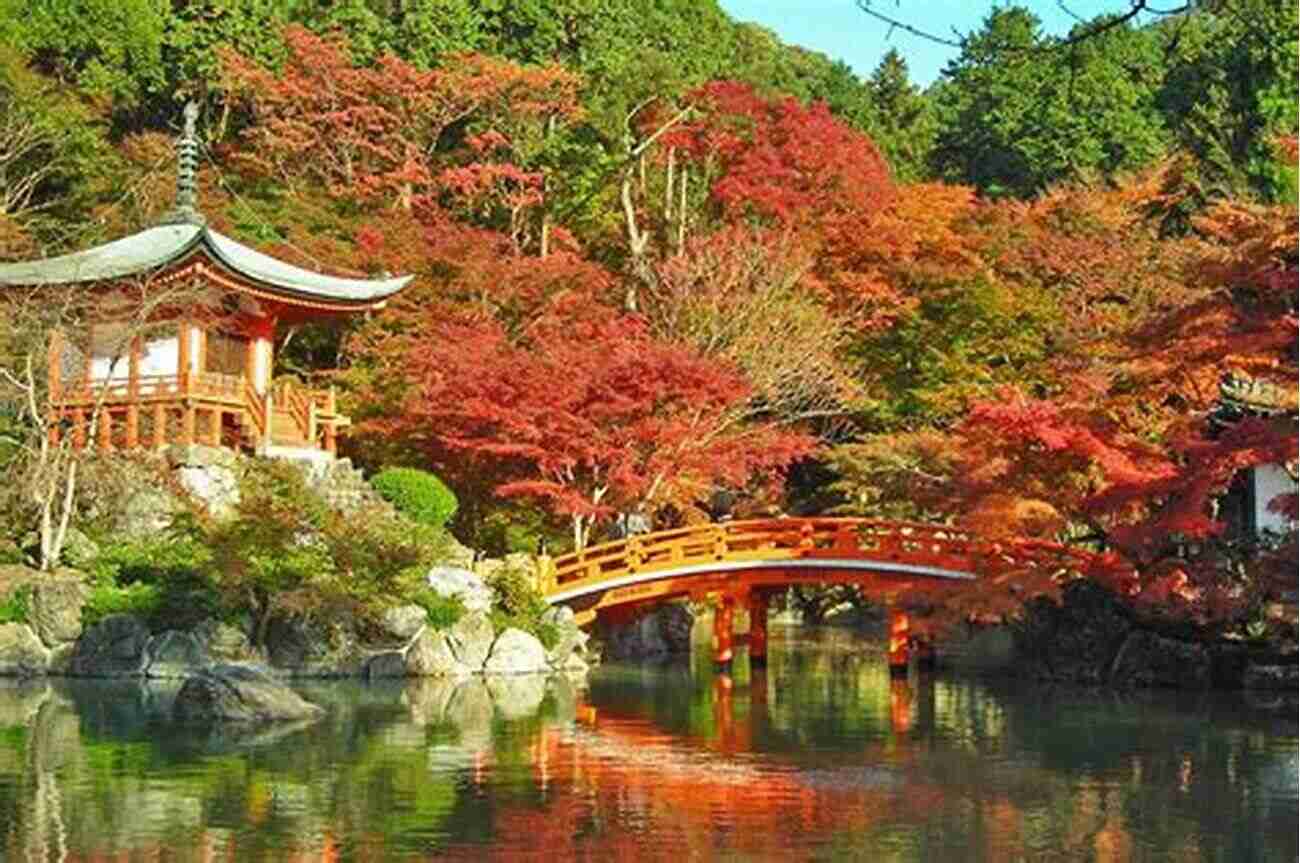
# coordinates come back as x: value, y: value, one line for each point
x: 820, y: 756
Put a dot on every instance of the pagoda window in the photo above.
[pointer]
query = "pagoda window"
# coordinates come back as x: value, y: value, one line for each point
x: 226, y: 354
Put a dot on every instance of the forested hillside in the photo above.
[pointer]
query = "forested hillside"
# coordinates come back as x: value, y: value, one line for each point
x: 665, y: 259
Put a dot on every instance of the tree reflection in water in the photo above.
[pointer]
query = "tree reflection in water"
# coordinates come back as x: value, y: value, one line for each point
x: 819, y: 755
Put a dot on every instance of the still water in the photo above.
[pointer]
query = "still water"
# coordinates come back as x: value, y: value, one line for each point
x: 821, y: 757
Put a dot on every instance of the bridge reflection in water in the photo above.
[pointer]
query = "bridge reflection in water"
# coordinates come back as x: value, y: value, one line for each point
x: 744, y: 563
x: 821, y: 755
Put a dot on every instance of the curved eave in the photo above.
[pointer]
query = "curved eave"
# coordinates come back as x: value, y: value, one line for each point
x: 141, y: 254
x: 263, y: 270
x: 146, y: 253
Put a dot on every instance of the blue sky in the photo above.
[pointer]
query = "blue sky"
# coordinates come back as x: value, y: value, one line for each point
x: 839, y: 29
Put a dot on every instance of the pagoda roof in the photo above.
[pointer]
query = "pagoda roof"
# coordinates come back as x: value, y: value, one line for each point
x: 163, y: 246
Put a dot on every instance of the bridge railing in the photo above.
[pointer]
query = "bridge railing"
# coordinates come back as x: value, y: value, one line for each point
x: 809, y: 538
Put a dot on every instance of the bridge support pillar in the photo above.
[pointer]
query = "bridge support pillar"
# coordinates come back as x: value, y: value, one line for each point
x: 757, y: 628
x: 723, y: 624
x: 900, y: 635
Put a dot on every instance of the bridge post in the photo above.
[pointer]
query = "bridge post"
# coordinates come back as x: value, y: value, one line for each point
x: 900, y: 633
x: 757, y: 628
x: 723, y: 623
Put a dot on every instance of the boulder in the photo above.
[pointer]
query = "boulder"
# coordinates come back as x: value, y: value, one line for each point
x: 572, y: 641
x: 675, y: 625
x: 173, y: 654
x: 79, y: 550
x: 517, y: 696
x: 114, y: 647
x: 516, y: 652
x: 1147, y: 659
x: 664, y: 631
x: 1259, y: 677
x: 389, y: 663
x: 403, y: 621
x: 224, y: 642
x: 1076, y: 641
x: 209, y: 474
x: 575, y: 664
x: 458, y: 555
x: 304, y: 649
x: 978, y: 649
x: 21, y: 652
x: 55, y: 611
x: 470, y: 639
x: 146, y: 512
x: 430, y: 655
x: 238, y: 693
x: 454, y: 581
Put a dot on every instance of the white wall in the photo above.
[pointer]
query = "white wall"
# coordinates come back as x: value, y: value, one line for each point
x: 160, y: 356
x: 1270, y: 481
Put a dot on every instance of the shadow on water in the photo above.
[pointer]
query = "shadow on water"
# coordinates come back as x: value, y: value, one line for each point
x: 819, y: 755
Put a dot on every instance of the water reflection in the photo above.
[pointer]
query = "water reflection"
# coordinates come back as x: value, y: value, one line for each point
x: 820, y: 755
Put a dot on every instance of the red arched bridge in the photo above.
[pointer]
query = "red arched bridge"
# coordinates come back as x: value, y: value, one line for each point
x: 745, y: 562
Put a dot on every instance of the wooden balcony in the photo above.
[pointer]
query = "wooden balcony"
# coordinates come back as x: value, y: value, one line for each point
x: 219, y: 410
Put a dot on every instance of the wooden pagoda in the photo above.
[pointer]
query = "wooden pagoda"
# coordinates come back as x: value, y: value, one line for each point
x: 198, y: 377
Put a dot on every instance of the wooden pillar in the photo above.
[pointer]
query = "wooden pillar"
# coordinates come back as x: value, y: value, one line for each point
x: 55, y: 363
x: 133, y: 396
x: 250, y: 362
x: 105, y: 430
x: 188, y: 422
x: 159, y: 425
x: 757, y: 628
x: 183, y: 356
x: 900, y: 634
x: 78, y: 429
x: 331, y: 439
x: 723, y: 622
x: 87, y: 365
x: 214, y: 427
x: 268, y: 419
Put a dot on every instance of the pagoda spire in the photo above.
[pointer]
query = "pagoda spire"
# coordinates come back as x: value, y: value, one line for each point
x: 187, y: 168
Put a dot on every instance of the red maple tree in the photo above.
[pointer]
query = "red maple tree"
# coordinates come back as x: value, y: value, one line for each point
x: 587, y: 417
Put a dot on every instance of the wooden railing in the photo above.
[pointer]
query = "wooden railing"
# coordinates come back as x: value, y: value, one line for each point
x: 769, y: 540
x: 257, y: 412
x: 190, y: 407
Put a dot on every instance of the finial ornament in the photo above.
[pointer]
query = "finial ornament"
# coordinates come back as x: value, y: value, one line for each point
x: 187, y: 167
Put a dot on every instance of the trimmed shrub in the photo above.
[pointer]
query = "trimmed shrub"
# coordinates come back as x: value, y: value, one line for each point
x: 417, y: 494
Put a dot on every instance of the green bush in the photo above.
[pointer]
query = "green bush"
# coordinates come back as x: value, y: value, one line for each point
x: 517, y: 603
x: 286, y: 554
x: 161, y: 580
x: 146, y: 601
x: 15, y: 607
x: 443, y: 611
x: 417, y: 494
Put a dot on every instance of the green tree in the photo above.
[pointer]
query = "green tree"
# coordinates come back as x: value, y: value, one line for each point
x: 901, y: 119
x: 1019, y: 111
x: 1231, y: 90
